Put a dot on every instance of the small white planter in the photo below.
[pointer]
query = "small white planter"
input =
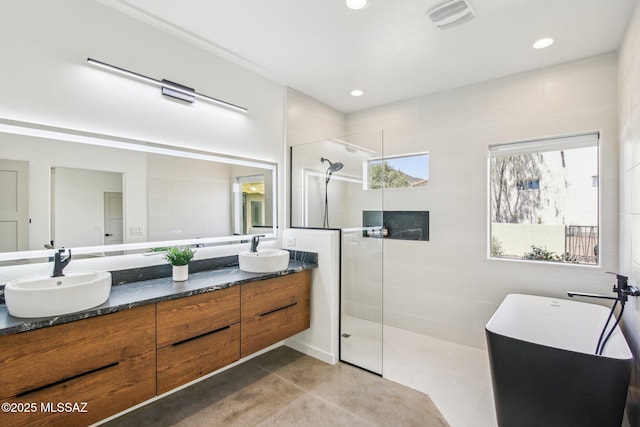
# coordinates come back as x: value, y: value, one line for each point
x: 180, y: 273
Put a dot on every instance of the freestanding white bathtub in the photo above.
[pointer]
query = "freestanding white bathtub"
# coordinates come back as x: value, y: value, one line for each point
x: 544, y: 368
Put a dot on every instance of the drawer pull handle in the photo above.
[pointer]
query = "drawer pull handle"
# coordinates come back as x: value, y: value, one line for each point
x: 202, y: 335
x: 278, y: 309
x: 64, y: 380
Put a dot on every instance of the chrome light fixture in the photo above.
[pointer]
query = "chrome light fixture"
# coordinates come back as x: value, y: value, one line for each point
x: 168, y: 88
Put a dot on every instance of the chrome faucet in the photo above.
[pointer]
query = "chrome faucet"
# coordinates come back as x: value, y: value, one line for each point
x: 254, y: 243
x: 60, y: 263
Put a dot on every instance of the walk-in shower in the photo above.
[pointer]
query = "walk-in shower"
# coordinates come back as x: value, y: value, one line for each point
x: 333, y: 167
x: 322, y: 198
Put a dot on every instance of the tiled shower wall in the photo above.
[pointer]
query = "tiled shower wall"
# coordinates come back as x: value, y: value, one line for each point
x: 629, y: 120
x: 446, y: 287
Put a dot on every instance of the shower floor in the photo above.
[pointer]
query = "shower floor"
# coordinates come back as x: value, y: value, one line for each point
x: 456, y: 377
x: 363, y: 347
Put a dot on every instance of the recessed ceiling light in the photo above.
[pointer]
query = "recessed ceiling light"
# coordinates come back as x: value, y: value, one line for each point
x: 357, y: 92
x: 357, y: 4
x: 542, y: 43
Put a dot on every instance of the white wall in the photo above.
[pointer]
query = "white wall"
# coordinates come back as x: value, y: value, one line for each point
x: 45, y: 46
x: 321, y: 340
x: 309, y: 120
x: 308, y: 185
x: 79, y: 205
x: 629, y: 122
x: 188, y: 198
x: 447, y: 287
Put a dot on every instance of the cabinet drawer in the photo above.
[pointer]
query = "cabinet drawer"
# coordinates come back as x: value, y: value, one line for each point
x: 189, y: 317
x: 268, y: 295
x: 188, y: 360
x: 273, y: 310
x: 105, y: 391
x: 39, y: 358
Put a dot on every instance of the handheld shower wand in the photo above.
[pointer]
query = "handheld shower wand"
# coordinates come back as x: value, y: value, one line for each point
x: 333, y: 167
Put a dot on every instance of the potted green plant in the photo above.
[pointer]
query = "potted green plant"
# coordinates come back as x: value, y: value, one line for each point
x: 179, y: 259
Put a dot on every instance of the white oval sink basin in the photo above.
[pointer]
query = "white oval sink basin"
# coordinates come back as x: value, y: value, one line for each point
x: 264, y: 261
x: 44, y: 296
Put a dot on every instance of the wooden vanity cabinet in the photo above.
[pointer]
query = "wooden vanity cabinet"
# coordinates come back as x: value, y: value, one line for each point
x: 274, y: 309
x: 197, y: 335
x: 80, y: 372
x: 103, y: 365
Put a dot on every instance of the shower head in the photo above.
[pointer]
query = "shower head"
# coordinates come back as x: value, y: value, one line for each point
x: 333, y: 167
x: 336, y: 167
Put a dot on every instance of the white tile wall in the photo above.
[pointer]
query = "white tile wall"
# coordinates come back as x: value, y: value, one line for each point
x: 629, y: 125
x: 446, y: 287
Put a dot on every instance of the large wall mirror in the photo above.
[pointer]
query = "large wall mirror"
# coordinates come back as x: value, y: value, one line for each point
x: 102, y: 195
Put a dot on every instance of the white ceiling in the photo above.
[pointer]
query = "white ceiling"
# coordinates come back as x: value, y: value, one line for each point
x: 390, y: 50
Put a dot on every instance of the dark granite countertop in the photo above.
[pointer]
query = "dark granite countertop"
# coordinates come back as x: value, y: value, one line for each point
x: 137, y: 293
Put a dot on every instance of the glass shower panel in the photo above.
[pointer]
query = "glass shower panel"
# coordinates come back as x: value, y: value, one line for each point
x: 361, y: 281
x: 361, y: 300
x: 329, y: 190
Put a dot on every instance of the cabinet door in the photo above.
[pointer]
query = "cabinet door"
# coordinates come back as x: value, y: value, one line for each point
x: 273, y: 310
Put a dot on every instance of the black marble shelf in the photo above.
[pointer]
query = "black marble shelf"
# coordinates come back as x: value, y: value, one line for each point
x: 127, y: 292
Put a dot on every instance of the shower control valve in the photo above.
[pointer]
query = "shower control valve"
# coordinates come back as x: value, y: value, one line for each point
x: 622, y: 287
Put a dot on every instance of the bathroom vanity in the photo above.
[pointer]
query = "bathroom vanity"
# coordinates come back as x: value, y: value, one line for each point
x: 103, y: 365
x: 149, y: 338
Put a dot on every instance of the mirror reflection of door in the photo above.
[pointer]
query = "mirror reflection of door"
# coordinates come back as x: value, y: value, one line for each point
x: 250, y: 206
x: 14, y: 205
x: 113, y: 218
x: 256, y: 213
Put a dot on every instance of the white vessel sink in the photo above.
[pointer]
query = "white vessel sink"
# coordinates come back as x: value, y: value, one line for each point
x: 264, y: 261
x: 44, y: 296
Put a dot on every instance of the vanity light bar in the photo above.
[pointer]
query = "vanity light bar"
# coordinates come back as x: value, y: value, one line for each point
x: 169, y: 88
x: 46, y: 253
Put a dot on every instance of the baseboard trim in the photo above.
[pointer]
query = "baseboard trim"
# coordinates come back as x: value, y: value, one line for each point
x: 312, y: 351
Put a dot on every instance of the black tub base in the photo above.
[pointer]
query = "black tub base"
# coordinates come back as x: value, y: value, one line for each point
x: 539, y: 386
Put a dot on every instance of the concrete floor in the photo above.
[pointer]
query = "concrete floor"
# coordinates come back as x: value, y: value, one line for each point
x: 286, y: 388
x: 456, y: 377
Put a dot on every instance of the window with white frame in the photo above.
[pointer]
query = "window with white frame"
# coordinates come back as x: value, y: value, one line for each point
x: 544, y: 200
x: 403, y: 171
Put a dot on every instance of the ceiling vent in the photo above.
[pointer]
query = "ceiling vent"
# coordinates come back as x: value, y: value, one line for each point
x: 450, y: 14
